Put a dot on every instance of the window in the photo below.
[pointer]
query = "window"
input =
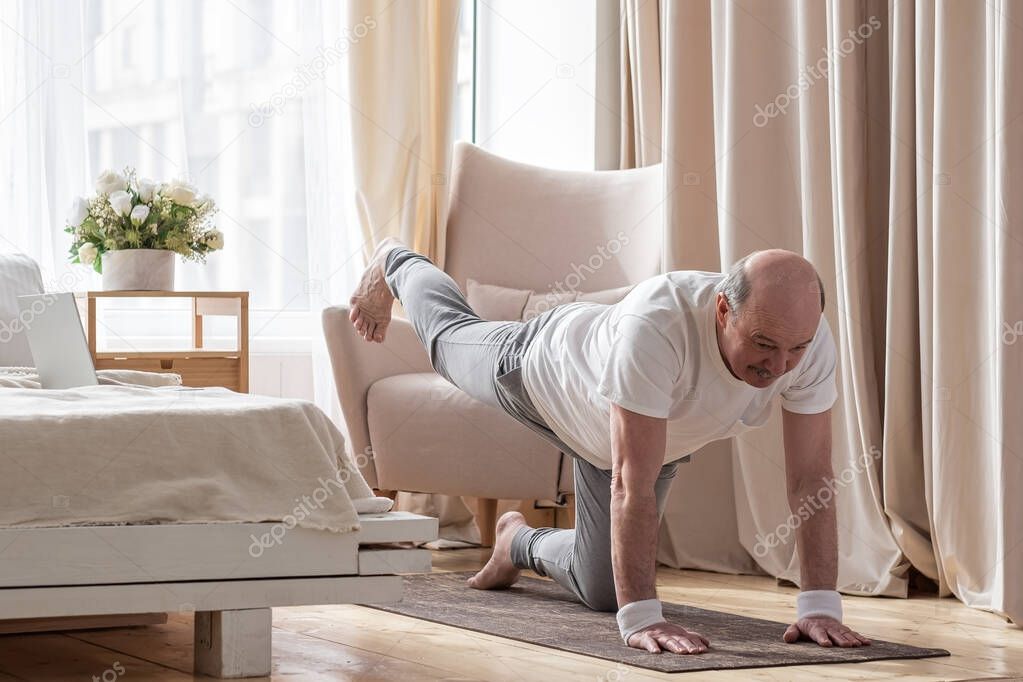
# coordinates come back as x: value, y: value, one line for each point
x: 535, y: 81
x: 169, y: 88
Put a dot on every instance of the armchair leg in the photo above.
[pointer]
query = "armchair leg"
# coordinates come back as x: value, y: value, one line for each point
x: 566, y: 518
x: 486, y: 519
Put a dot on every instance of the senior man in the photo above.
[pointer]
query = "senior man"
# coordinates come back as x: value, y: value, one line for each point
x: 628, y: 390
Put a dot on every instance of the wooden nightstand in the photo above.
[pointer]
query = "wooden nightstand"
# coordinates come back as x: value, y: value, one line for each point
x: 197, y: 366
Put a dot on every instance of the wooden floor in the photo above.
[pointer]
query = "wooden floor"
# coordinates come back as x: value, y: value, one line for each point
x: 354, y: 643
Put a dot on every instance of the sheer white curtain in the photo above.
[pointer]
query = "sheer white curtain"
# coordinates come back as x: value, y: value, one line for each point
x: 337, y: 260
x: 42, y: 142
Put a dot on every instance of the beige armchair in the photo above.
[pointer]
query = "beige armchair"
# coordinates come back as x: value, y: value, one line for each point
x: 512, y: 225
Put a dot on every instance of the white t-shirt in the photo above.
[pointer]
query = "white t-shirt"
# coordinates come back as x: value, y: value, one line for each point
x: 656, y: 353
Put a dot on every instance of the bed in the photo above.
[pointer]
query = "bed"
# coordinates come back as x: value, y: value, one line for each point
x: 134, y: 498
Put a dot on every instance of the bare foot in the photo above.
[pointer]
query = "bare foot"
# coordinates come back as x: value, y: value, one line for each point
x: 500, y: 571
x: 372, y: 300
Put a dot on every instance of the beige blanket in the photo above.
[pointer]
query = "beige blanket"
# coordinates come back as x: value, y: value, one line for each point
x: 117, y: 453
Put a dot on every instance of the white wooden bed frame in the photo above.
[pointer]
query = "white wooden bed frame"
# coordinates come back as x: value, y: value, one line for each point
x: 208, y: 569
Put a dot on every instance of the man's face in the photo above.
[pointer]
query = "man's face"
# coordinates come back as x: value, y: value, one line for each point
x: 766, y: 339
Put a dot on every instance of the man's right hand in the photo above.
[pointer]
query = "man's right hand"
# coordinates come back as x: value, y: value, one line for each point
x: 669, y: 637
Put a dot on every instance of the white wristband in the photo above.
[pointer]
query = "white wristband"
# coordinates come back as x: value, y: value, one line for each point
x: 819, y: 603
x: 637, y: 616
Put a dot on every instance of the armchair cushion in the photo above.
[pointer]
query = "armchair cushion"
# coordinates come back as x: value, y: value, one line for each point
x: 430, y: 436
x: 493, y: 302
x: 496, y: 303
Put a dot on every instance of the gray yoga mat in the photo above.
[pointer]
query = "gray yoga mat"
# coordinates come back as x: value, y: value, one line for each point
x: 541, y: 612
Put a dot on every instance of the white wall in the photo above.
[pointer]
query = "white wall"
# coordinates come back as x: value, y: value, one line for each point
x: 286, y: 375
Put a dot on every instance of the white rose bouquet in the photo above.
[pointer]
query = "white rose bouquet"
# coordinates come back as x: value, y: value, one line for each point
x: 131, y: 213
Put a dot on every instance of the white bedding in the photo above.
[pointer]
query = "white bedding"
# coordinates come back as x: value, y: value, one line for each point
x: 119, y: 453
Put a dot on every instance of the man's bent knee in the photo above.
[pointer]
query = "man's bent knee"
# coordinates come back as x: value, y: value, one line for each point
x: 599, y: 597
x: 602, y: 603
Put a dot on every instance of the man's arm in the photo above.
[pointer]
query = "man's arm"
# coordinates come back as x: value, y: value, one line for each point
x: 637, y: 455
x: 807, y: 469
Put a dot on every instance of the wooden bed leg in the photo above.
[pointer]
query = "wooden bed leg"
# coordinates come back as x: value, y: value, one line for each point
x: 486, y: 519
x: 232, y: 643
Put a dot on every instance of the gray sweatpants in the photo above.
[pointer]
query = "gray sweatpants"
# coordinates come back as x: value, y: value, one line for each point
x: 484, y: 359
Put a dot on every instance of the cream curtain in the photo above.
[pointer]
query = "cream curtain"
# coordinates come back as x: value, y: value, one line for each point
x: 885, y: 142
x: 402, y: 100
x: 402, y: 81
x: 640, y: 83
x: 962, y: 185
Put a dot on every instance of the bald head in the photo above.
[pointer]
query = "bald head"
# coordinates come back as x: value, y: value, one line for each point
x: 767, y: 310
x: 773, y: 280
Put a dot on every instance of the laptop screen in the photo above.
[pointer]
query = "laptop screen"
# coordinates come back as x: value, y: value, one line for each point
x: 57, y: 340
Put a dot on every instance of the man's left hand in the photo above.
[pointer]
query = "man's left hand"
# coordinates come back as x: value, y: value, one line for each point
x: 823, y: 630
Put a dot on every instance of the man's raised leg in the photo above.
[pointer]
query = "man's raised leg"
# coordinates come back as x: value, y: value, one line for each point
x: 463, y: 348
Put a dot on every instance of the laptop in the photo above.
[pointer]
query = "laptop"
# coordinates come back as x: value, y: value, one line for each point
x: 57, y: 340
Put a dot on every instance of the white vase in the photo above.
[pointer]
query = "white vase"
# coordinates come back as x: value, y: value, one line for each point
x: 138, y: 270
